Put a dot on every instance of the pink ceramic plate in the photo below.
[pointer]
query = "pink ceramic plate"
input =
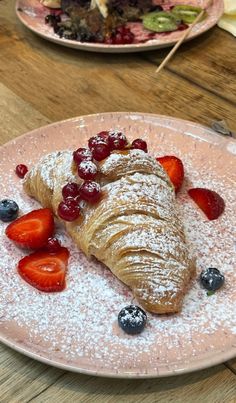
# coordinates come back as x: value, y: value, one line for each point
x: 77, y: 328
x: 32, y: 14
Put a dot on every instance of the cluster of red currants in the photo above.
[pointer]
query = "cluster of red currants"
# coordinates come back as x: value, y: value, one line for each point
x: 100, y: 147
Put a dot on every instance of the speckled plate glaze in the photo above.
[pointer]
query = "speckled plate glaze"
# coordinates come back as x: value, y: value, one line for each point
x: 32, y: 14
x: 77, y: 328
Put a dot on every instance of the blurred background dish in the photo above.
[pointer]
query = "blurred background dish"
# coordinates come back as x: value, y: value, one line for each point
x: 32, y: 14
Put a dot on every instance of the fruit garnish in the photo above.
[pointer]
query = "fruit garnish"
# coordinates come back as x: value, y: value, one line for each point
x: 174, y: 168
x: 132, y: 319
x: 21, y: 170
x: 94, y: 141
x: 101, y: 151
x: 90, y: 191
x: 53, y: 245
x: 69, y: 209
x: 160, y: 21
x: 186, y: 14
x: 87, y: 170
x: 104, y: 135
x: 139, y: 144
x: 45, y: 271
x: 117, y: 140
x: 32, y: 230
x: 210, y: 202
x: 70, y: 190
x: 8, y: 210
x: 212, y: 279
x: 82, y: 154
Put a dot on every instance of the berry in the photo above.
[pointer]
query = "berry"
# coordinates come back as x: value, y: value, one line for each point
x: 45, y: 271
x: 90, y: 191
x: 128, y: 38
x: 117, y: 140
x: 122, y: 30
x: 132, y: 319
x: 212, y: 279
x: 101, y: 151
x: 70, y: 190
x: 182, y: 27
x: 21, y: 170
x: 94, y: 141
x: 174, y: 168
x: 69, y: 209
x: 32, y: 230
x: 109, y: 40
x: 87, y: 170
x: 122, y: 36
x: 82, y: 154
x: 140, y: 144
x: 8, y: 210
x: 118, y: 39
x: 51, y: 19
x: 103, y: 135
x: 208, y: 201
x: 53, y: 245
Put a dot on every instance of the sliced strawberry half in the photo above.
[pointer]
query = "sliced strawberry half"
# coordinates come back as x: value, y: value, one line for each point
x: 210, y: 202
x: 45, y: 271
x: 174, y: 168
x: 32, y: 230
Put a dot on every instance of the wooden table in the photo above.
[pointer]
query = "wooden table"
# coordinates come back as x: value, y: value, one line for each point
x: 42, y: 83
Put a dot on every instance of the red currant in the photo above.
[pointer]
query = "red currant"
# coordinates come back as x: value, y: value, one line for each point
x: 117, y: 140
x: 21, y: 170
x: 101, y: 151
x: 109, y: 40
x: 69, y: 210
x: 70, y: 190
x: 53, y: 245
x: 140, y: 144
x: 90, y: 191
x: 104, y: 135
x: 94, y: 141
x: 122, y: 30
x: 128, y: 38
x: 118, y: 39
x: 82, y: 154
x: 182, y: 27
x: 87, y: 170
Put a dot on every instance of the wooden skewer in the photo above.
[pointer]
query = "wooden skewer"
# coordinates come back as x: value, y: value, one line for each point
x: 177, y: 45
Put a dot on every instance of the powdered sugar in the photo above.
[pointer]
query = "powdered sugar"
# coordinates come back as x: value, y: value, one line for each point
x: 79, y: 325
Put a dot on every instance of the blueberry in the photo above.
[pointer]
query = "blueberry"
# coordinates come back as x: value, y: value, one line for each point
x: 212, y: 279
x: 8, y: 210
x: 132, y: 319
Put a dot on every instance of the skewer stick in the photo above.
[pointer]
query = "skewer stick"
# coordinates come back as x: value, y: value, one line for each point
x: 182, y: 38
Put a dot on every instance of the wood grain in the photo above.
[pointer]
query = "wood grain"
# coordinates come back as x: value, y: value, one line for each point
x: 41, y: 82
x: 16, y: 116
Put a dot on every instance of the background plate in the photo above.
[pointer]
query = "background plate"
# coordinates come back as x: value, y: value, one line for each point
x: 32, y: 14
x: 77, y: 328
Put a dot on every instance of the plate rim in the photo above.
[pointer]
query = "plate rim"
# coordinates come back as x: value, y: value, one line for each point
x: 194, y: 365
x: 212, y: 132
x: 106, y: 48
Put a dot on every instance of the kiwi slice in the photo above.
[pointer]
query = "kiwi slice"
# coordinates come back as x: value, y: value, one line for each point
x: 187, y: 13
x: 160, y: 21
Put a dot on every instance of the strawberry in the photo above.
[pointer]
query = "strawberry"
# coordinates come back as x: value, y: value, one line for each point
x: 174, y: 168
x: 32, y: 230
x: 208, y: 201
x: 45, y: 271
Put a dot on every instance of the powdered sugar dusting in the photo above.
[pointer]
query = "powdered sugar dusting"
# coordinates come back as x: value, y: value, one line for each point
x: 79, y: 326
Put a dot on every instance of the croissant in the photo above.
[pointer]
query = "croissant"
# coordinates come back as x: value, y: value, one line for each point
x: 134, y: 229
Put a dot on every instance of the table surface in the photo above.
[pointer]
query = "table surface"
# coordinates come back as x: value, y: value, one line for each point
x: 41, y: 83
